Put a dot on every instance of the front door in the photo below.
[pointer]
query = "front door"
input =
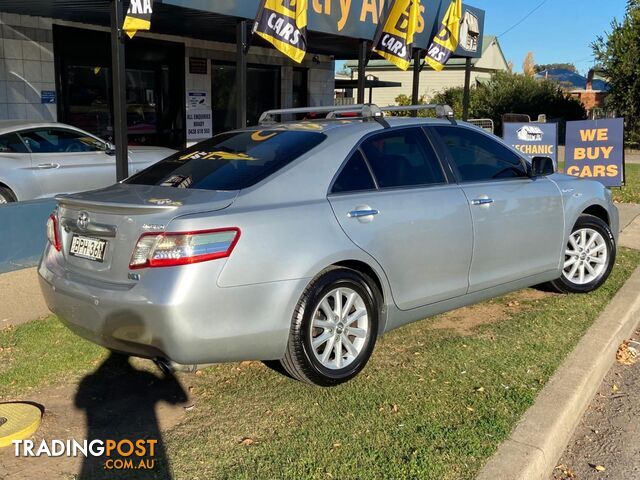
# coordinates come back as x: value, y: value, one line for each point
x: 67, y: 161
x: 407, y: 216
x: 518, y: 221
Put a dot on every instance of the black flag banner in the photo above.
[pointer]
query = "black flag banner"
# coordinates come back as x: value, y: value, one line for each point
x: 283, y: 23
x: 138, y: 17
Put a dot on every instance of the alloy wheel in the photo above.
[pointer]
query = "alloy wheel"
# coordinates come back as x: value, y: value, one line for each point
x: 586, y: 256
x: 339, y: 328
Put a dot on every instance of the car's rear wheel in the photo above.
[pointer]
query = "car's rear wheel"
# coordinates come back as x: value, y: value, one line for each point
x: 334, y: 328
x: 589, y: 256
x: 6, y: 196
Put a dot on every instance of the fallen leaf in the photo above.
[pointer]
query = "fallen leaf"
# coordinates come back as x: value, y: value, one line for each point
x: 480, y: 390
x: 599, y: 468
x: 394, y: 408
x: 198, y: 372
x: 337, y: 445
x: 471, y: 409
x: 614, y: 388
x: 626, y: 355
x: 246, y: 441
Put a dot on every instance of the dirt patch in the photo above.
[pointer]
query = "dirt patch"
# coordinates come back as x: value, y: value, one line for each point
x: 464, y: 320
x: 117, y: 401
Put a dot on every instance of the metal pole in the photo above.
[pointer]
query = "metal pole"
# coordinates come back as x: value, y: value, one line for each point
x: 415, y: 91
x: 362, y: 69
x: 119, y: 90
x: 241, y: 74
x: 467, y: 90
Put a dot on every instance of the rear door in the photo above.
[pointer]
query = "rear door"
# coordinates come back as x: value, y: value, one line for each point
x: 68, y: 161
x: 393, y: 200
x: 518, y: 221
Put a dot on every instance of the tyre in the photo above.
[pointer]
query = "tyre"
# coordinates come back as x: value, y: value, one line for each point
x: 589, y: 257
x: 6, y: 196
x: 334, y: 328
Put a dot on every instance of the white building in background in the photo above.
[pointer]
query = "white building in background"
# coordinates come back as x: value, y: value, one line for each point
x: 432, y: 82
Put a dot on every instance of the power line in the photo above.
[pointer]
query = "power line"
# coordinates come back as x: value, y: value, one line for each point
x: 524, y: 18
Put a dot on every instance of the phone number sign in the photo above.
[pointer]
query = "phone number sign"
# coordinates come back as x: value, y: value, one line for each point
x: 595, y: 150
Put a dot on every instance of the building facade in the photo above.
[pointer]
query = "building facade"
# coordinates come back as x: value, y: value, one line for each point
x: 59, y: 70
x: 432, y: 82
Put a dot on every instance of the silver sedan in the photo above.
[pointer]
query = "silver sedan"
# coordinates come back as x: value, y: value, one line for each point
x: 40, y: 160
x: 304, y: 242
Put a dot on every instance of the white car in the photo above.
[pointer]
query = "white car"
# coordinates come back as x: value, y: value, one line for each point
x: 40, y: 160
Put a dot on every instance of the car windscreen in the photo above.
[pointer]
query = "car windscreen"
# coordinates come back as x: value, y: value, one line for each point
x: 229, y: 161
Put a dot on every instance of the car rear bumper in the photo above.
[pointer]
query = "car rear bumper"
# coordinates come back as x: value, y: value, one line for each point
x: 181, y: 316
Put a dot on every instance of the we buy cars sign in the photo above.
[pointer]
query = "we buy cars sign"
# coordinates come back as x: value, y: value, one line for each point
x: 595, y: 150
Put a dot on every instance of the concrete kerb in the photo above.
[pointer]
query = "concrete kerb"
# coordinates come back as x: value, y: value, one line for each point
x: 540, y: 437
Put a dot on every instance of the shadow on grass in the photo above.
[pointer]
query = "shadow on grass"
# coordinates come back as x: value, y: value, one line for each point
x: 120, y: 402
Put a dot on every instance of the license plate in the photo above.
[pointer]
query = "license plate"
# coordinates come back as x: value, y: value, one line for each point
x: 87, y: 247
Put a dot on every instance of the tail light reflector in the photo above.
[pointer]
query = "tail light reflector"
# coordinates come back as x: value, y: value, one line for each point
x: 181, y: 248
x: 53, y: 234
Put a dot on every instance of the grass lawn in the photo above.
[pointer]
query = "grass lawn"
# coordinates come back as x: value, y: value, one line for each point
x: 432, y: 403
x: 630, y: 193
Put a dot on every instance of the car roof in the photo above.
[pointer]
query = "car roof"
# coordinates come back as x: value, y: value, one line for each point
x: 327, y: 126
x: 7, y: 126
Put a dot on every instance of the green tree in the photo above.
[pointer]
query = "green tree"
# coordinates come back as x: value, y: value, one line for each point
x: 553, y: 66
x: 509, y: 93
x: 617, y: 53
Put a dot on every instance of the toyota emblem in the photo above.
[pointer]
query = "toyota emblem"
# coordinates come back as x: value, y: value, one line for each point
x: 83, y: 220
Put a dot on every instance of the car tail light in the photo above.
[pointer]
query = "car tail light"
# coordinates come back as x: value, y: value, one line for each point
x: 53, y: 234
x: 180, y: 248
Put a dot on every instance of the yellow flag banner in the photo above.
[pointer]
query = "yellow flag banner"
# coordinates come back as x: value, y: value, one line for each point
x: 446, y: 42
x: 283, y: 23
x: 395, y: 35
x: 138, y: 17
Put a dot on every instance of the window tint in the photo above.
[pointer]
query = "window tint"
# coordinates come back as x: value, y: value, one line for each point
x: 11, y: 143
x: 354, y: 177
x: 230, y: 161
x: 60, y: 141
x: 478, y: 157
x: 402, y: 158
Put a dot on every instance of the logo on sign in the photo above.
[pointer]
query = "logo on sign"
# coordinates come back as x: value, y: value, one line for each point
x: 530, y: 133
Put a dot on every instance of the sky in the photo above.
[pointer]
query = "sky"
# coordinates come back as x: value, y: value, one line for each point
x: 559, y: 31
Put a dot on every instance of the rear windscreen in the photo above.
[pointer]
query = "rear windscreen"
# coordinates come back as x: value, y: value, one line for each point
x: 230, y: 161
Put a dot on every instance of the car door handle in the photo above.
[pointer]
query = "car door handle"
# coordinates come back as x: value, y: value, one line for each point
x: 45, y: 166
x: 482, y: 201
x: 362, y: 213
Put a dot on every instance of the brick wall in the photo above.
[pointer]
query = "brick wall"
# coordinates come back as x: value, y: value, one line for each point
x: 26, y: 67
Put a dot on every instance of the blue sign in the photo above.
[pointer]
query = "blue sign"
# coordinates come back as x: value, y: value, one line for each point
x: 595, y: 150
x: 48, y: 96
x: 533, y: 139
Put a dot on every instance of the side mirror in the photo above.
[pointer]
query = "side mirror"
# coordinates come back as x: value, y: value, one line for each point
x: 542, y: 166
x: 109, y: 148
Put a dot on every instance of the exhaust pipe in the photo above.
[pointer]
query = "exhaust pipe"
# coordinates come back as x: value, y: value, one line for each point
x: 169, y: 366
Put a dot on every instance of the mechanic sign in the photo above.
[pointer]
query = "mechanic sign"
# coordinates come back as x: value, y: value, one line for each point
x: 595, y: 150
x: 533, y: 139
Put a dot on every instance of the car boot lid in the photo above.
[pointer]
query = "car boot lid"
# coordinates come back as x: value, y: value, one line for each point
x: 139, y: 199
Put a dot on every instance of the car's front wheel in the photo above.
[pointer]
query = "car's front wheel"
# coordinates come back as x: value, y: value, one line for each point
x: 589, y: 256
x: 334, y: 328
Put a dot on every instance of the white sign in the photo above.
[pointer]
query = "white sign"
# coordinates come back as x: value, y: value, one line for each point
x: 197, y: 99
x: 199, y: 124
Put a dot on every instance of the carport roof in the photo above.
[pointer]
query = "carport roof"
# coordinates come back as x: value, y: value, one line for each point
x: 172, y: 20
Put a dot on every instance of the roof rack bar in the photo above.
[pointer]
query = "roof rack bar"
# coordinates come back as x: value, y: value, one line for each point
x: 442, y: 111
x: 366, y: 111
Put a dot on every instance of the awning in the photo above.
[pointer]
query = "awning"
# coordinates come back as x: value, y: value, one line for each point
x: 332, y: 31
x: 348, y: 83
